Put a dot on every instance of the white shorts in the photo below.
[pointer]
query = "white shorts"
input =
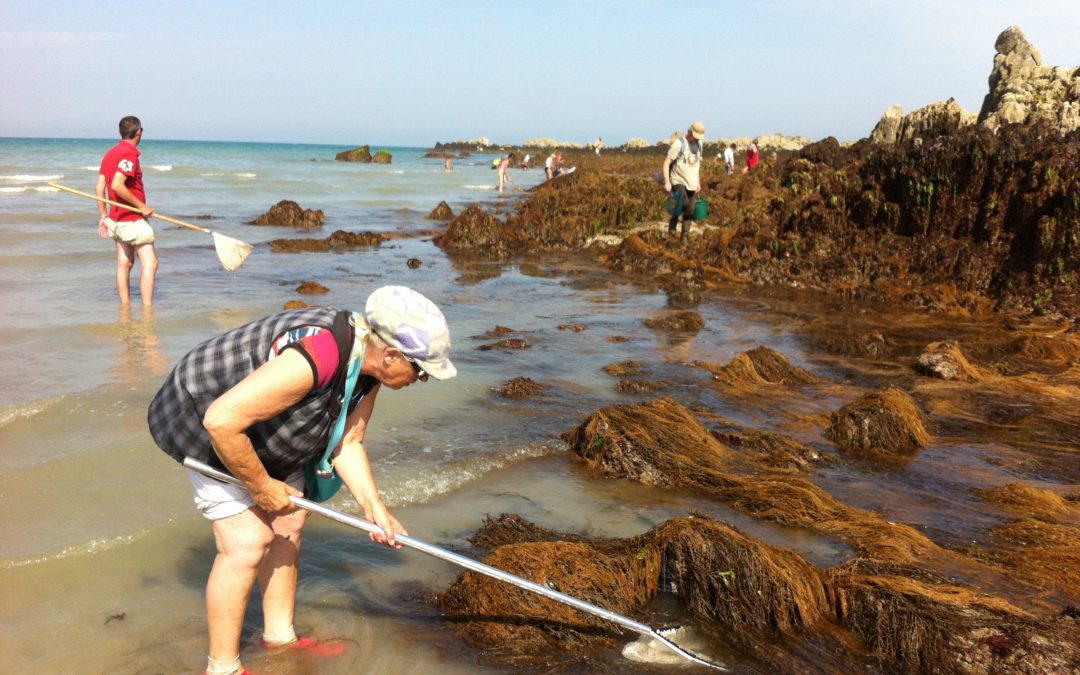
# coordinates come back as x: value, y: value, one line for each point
x: 219, y: 500
x: 134, y: 232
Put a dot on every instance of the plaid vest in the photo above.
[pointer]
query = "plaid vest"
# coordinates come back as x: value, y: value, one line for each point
x: 283, y: 443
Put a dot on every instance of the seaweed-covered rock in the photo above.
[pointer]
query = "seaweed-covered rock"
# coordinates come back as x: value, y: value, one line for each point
x: 887, y: 421
x: 624, y: 369
x: 361, y: 154
x: 1027, y: 500
x: 760, y: 365
x: 925, y: 623
x: 441, y: 212
x: 641, y: 386
x: 945, y: 360
x: 873, y: 616
x: 519, y: 388
x: 338, y: 241
x: 776, y: 451
x: 295, y: 304
x: 506, y: 343
x: 479, y: 233
x: 660, y: 443
x: 1046, y: 555
x: 382, y: 157
x: 312, y: 288
x: 288, y: 213
x: 491, y: 613
x: 683, y: 322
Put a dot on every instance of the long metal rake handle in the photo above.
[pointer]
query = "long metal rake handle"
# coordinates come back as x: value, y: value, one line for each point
x: 129, y: 207
x: 470, y: 564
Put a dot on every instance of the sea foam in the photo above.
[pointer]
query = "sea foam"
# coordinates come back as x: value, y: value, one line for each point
x: 30, y: 178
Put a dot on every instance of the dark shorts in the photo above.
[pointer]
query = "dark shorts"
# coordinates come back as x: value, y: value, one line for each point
x: 687, y: 198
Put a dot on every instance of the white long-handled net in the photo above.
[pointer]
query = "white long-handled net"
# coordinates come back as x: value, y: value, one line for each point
x: 231, y: 252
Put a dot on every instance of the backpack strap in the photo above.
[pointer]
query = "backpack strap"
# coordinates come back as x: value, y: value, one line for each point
x: 345, y: 380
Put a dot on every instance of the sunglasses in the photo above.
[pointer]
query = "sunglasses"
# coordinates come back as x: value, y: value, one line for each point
x: 421, y: 374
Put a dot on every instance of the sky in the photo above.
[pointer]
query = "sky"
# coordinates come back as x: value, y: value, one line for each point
x: 414, y: 73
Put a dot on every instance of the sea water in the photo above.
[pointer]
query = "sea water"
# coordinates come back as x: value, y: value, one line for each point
x: 104, y: 560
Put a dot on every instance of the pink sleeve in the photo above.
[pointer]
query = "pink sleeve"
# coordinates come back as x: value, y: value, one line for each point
x: 322, y: 352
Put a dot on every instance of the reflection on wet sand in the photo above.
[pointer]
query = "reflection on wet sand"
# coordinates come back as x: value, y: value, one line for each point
x: 140, y: 353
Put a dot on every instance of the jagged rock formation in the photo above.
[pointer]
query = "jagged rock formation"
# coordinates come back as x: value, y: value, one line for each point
x: 1022, y: 89
x: 935, y: 119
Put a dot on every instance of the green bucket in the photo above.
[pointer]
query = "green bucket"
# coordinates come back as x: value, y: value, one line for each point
x: 701, y: 209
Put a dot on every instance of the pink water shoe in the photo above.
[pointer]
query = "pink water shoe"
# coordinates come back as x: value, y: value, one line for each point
x: 312, y: 646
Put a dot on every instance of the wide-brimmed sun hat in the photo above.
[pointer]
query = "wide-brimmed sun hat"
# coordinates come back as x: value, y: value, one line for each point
x: 409, y: 322
x: 698, y: 129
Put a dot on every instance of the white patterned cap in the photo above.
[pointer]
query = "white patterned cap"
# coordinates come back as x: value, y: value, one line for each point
x: 411, y: 323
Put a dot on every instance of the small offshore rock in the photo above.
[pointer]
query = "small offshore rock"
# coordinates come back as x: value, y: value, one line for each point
x: 312, y: 288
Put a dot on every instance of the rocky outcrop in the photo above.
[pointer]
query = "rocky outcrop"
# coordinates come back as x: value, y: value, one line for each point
x: 887, y: 130
x: 1022, y: 89
x: 361, y: 154
x: 549, y: 144
x: 441, y: 212
x: 288, y: 213
x: 475, y: 143
x: 935, y: 119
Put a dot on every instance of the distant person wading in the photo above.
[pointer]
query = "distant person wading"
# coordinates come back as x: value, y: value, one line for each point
x: 120, y: 179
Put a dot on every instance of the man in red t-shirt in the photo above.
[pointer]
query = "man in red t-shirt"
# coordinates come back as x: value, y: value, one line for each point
x: 120, y: 179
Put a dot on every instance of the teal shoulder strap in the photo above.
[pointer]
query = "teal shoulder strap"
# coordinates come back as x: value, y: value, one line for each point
x: 325, y: 467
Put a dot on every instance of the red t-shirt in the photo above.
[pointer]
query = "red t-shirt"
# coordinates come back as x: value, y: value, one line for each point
x: 124, y: 157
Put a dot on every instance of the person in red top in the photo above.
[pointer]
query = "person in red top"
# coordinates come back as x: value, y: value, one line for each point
x: 120, y: 179
x: 752, y: 156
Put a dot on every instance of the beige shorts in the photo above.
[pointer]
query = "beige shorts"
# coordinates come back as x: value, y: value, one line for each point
x: 217, y: 500
x: 133, y: 232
